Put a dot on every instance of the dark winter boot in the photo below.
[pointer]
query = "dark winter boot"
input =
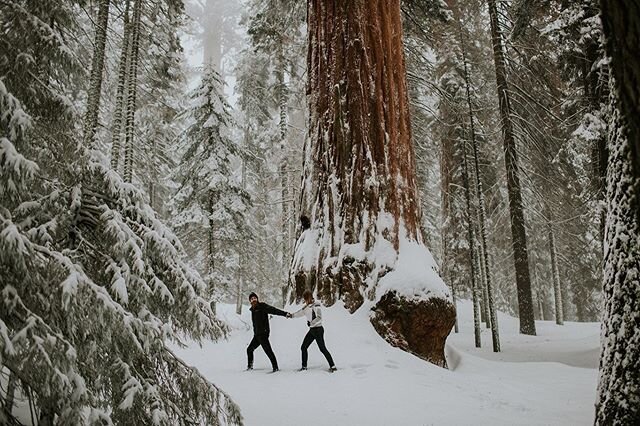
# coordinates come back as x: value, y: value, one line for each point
x: 249, y: 367
x: 302, y: 368
x: 332, y: 369
x: 275, y: 369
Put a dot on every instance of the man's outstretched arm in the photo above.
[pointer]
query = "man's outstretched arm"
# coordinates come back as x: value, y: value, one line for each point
x: 275, y: 311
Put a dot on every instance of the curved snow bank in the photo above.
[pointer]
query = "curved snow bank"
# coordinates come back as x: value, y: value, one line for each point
x: 377, y: 384
x: 575, y: 344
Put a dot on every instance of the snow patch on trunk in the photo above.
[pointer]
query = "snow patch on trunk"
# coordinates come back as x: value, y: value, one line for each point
x: 410, y: 270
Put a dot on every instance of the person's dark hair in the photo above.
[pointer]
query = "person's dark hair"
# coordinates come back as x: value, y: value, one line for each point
x: 253, y: 295
x: 307, y: 295
x: 305, y: 222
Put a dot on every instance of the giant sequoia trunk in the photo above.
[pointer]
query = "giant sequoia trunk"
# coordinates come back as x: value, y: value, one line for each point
x: 359, y: 187
x: 618, y: 400
x: 518, y: 230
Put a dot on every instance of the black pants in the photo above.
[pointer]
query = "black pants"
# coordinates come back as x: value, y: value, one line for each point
x: 261, y: 340
x: 317, y: 334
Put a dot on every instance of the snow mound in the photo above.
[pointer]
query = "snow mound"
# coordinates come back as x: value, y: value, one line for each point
x: 414, y: 275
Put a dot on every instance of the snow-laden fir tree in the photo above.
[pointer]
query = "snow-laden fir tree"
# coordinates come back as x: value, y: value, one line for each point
x: 518, y: 226
x: 94, y: 286
x: 559, y: 113
x: 161, y: 99
x: 211, y: 202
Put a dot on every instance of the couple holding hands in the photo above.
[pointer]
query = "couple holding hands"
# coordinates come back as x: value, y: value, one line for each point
x: 260, y: 317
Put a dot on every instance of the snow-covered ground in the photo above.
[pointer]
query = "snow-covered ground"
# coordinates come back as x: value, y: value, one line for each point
x: 544, y: 380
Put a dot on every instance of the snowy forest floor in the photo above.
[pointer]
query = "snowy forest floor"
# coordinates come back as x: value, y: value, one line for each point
x: 542, y: 380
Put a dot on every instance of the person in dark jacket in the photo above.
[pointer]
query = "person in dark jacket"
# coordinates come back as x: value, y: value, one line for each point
x: 260, y: 317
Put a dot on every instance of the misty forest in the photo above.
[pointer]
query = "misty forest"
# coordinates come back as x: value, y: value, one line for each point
x: 447, y: 190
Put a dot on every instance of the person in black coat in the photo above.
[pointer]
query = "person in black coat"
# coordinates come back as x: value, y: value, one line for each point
x: 260, y: 317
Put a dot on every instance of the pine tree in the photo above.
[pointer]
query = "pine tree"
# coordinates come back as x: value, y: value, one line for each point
x: 94, y: 285
x: 424, y: 22
x: 520, y: 254
x: 473, y: 258
x: 559, y: 118
x: 272, y: 100
x: 210, y: 196
x: 557, y: 285
x: 456, y: 268
x: 162, y: 83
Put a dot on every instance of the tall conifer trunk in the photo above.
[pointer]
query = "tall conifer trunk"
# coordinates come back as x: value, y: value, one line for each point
x: 487, y: 287
x: 286, y: 217
x: 132, y: 83
x: 618, y: 400
x: 518, y: 229
x: 359, y: 162
x: 359, y: 185
x: 118, y: 114
x: 557, y: 285
x: 621, y: 26
x: 475, y: 276
x: 97, y: 68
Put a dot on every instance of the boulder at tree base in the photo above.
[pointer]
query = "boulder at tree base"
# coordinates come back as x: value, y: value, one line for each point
x: 420, y: 327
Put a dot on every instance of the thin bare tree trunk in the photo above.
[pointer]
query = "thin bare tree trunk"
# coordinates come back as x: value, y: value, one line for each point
x: 557, y: 286
x: 116, y: 128
x: 97, y: 68
x: 492, y: 317
x: 212, y: 38
x: 456, y: 327
x: 132, y: 89
x: 284, y: 176
x: 475, y: 290
x: 211, y: 250
x: 243, y: 256
x: 518, y: 228
x: 541, y: 306
x: 483, y: 276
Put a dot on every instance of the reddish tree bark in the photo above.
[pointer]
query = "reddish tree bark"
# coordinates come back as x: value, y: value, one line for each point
x: 359, y: 184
